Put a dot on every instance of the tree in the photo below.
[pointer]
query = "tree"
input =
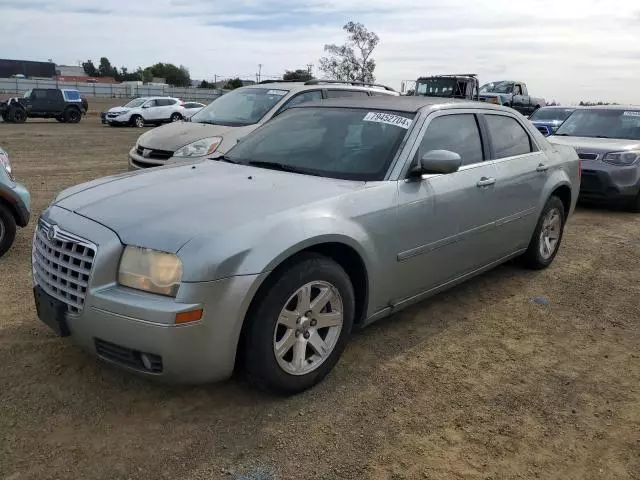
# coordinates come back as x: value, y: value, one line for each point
x: 352, y: 61
x: 205, y: 84
x: 105, y: 69
x: 297, y: 75
x: 232, y: 84
x: 175, y: 76
x: 90, y: 69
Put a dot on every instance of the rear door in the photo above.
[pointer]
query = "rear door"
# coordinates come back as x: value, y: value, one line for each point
x: 446, y: 221
x: 166, y: 106
x: 522, y: 171
x: 55, y: 101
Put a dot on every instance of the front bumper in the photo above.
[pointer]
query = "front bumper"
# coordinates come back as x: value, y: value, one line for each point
x: 119, y: 325
x: 117, y: 120
x: 138, y: 162
x: 609, y: 183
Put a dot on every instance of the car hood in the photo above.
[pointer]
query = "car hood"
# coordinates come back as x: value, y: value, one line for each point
x: 172, y: 136
x: 164, y: 208
x: 118, y: 109
x: 595, y: 145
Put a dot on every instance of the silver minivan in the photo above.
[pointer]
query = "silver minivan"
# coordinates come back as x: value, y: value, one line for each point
x: 219, y: 126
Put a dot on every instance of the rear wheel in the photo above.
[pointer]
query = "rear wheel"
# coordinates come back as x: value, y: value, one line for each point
x: 175, y: 117
x: 547, y: 236
x: 300, y: 326
x: 137, y: 121
x: 7, y: 229
x: 72, y: 115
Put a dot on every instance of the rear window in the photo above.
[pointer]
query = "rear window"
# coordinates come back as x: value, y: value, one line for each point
x: 551, y: 114
x: 353, y: 144
x: 71, y: 95
x: 509, y: 138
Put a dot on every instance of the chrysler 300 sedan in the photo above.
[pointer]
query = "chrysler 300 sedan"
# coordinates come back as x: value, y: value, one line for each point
x: 327, y: 218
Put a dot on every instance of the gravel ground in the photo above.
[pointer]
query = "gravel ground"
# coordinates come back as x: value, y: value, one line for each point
x: 516, y: 374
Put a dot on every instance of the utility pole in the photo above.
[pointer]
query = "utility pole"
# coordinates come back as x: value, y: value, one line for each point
x: 259, y: 72
x: 310, y: 68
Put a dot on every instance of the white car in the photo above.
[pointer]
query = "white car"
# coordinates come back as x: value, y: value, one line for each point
x: 147, y: 110
x: 191, y: 108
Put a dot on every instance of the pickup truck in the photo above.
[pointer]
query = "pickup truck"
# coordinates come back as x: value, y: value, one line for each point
x: 511, y: 94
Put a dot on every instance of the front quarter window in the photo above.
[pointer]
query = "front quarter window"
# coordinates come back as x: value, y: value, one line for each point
x: 351, y: 144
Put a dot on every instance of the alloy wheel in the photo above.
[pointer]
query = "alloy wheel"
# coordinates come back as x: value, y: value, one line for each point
x: 550, y: 233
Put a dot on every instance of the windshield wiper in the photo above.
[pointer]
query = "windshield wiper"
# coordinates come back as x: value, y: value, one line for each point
x: 281, y: 167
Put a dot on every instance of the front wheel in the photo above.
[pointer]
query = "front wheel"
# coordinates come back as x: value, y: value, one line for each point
x: 547, y: 236
x: 18, y: 115
x: 300, y: 326
x: 137, y: 121
x: 7, y: 229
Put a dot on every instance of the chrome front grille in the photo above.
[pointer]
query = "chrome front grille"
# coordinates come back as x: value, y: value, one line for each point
x: 62, y: 264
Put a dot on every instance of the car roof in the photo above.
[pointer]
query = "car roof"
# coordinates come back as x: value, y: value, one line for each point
x: 408, y: 104
x: 610, y: 107
x: 551, y: 107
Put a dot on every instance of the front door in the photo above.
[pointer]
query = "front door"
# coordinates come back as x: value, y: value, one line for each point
x: 38, y: 101
x: 522, y: 171
x: 151, y: 110
x: 446, y: 222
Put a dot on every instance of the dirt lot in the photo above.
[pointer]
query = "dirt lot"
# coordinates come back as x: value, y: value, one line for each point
x: 479, y: 383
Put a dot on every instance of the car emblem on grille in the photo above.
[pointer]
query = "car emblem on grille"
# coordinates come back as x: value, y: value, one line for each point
x: 52, y: 233
x: 146, y: 152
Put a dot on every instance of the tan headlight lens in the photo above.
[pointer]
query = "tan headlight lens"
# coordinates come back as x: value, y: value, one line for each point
x: 150, y: 270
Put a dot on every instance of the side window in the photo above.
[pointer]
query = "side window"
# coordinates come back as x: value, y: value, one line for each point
x: 508, y: 137
x: 53, y: 95
x: 71, y: 95
x: 346, y: 93
x: 377, y: 93
x: 304, y: 97
x: 39, y: 94
x: 164, y: 102
x: 457, y: 133
x: 151, y: 103
x: 517, y: 90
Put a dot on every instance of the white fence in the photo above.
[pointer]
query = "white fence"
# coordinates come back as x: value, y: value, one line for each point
x: 18, y: 86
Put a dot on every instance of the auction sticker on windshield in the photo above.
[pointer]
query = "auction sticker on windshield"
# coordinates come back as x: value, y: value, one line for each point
x: 389, y: 119
x: 280, y: 93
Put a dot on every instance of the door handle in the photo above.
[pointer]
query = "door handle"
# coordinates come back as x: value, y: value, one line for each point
x: 486, y: 182
x: 542, y: 168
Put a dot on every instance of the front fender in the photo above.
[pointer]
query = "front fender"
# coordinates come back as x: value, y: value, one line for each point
x: 256, y: 249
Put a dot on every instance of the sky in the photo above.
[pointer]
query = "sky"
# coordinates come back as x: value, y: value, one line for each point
x: 565, y: 50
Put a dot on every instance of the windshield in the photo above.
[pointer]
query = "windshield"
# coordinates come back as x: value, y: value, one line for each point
x: 551, y: 114
x: 497, y: 87
x: 351, y: 144
x: 240, y: 107
x: 136, y: 103
x: 27, y: 94
x: 436, y: 87
x: 605, y: 123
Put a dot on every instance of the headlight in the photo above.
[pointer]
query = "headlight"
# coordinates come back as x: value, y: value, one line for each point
x: 622, y: 158
x: 5, y: 163
x: 150, y: 270
x: 199, y: 148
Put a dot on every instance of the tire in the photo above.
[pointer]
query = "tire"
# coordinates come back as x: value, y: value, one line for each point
x: 5, y: 117
x: 137, y: 121
x: 175, y: 117
x: 7, y: 229
x: 18, y: 115
x: 266, y: 329
x: 634, y: 206
x: 550, y: 227
x: 72, y: 115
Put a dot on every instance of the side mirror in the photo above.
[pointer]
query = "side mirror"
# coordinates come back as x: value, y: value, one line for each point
x: 438, y: 162
x: 146, y: 106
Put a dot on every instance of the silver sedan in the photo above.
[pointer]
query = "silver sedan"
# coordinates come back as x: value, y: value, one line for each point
x: 329, y: 217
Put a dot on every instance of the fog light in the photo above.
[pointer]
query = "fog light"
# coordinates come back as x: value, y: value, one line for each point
x: 145, y: 361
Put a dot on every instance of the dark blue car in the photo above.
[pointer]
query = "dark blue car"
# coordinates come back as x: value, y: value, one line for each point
x: 548, y: 119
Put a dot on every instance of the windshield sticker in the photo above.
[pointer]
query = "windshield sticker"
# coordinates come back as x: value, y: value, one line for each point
x: 632, y: 113
x: 280, y: 93
x: 389, y: 119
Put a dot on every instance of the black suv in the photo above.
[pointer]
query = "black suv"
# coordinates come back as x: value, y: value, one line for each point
x: 63, y: 104
x: 464, y: 85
